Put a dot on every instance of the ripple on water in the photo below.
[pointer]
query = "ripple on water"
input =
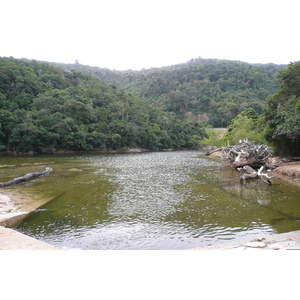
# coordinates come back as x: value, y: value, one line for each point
x: 162, y: 200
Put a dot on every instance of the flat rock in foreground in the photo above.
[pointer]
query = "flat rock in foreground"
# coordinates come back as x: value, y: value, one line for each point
x: 13, y: 240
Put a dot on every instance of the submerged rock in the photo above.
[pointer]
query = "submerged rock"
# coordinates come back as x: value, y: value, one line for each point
x: 255, y: 244
x: 6, y: 205
x: 75, y: 170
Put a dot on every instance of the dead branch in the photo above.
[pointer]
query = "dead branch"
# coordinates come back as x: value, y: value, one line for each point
x: 245, y: 153
x: 26, y: 177
x: 247, y: 157
x: 215, y: 150
x: 249, y: 173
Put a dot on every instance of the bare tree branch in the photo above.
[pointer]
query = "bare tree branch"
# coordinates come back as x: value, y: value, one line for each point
x: 26, y: 177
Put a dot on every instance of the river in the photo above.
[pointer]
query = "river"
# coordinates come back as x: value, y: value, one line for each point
x: 154, y: 200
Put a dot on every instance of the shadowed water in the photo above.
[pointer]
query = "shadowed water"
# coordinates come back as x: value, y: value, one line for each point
x: 161, y: 200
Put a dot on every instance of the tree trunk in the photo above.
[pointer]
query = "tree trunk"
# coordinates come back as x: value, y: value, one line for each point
x: 26, y: 177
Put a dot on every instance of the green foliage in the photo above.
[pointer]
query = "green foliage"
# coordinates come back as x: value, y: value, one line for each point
x: 245, y: 126
x: 282, y: 113
x: 44, y: 108
x: 195, y: 141
x: 218, y: 88
x: 215, y: 137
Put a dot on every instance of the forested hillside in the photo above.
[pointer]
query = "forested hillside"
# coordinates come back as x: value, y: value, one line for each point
x: 44, y: 108
x: 279, y: 125
x: 206, y: 90
x: 282, y: 113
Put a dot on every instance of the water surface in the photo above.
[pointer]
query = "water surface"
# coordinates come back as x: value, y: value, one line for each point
x: 161, y: 200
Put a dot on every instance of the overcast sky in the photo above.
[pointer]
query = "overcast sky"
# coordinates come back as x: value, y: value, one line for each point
x: 132, y: 34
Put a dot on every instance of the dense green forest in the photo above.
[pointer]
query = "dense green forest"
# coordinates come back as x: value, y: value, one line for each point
x: 279, y: 125
x: 209, y: 91
x: 44, y: 108
x: 282, y: 113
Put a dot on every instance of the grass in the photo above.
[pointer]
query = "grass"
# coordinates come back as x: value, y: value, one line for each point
x: 215, y: 137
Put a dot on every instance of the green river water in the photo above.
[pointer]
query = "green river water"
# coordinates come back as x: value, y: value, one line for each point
x: 153, y: 200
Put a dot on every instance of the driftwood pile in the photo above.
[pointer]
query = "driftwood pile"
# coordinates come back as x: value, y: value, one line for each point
x: 250, y: 159
x: 244, y: 153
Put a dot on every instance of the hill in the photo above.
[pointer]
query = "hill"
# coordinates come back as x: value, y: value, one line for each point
x: 44, y: 108
x: 208, y: 91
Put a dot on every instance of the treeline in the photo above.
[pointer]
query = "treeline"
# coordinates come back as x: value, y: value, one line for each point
x: 279, y: 125
x: 44, y: 108
x: 209, y: 91
x: 51, y: 107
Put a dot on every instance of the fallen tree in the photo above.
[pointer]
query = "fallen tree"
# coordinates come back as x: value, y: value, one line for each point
x: 248, y: 173
x: 26, y: 177
x: 249, y: 158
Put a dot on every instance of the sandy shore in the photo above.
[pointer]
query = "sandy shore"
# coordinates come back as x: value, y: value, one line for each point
x: 280, y: 241
x: 289, y: 171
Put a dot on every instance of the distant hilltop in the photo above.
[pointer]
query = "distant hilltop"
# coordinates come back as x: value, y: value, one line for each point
x: 219, y: 89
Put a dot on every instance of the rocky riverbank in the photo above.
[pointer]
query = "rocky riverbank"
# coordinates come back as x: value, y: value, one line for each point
x: 290, y: 171
x: 281, y: 241
x: 285, y: 168
x: 14, y: 207
x: 12, y: 240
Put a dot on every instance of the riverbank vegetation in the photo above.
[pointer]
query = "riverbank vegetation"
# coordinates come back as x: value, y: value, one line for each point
x: 282, y: 113
x: 44, y: 108
x: 279, y: 124
x: 215, y: 137
x: 71, y: 107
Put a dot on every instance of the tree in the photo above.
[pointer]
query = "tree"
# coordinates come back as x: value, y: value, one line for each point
x: 244, y: 126
x: 219, y: 88
x: 282, y: 113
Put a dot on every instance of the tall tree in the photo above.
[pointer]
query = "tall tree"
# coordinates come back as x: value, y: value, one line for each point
x: 282, y: 113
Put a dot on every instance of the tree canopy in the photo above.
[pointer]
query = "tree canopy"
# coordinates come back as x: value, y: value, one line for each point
x: 44, y: 108
x: 282, y: 113
x: 51, y: 107
x: 279, y: 125
x: 245, y: 126
x: 206, y: 90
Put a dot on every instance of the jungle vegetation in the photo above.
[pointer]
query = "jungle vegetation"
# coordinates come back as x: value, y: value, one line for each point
x: 282, y: 113
x: 209, y: 91
x: 279, y: 124
x: 45, y: 109
x: 51, y: 107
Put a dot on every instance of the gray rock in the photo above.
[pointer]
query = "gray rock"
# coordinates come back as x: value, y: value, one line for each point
x: 255, y: 244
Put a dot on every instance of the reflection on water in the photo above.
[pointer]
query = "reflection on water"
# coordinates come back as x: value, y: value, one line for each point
x: 163, y: 200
